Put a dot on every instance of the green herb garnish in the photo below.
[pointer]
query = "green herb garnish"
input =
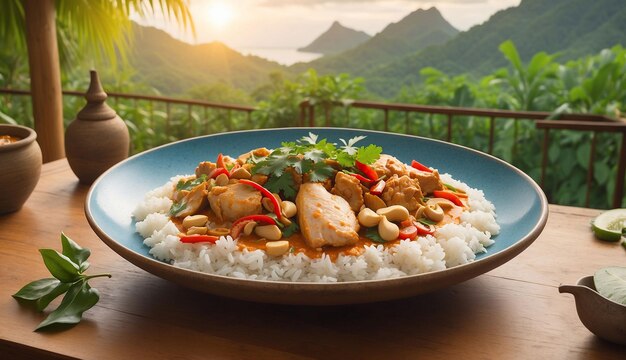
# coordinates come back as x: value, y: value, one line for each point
x: 426, y: 221
x: 290, y: 230
x: 190, y: 184
x: 372, y: 234
x: 310, y: 156
x: 67, y: 268
x: 177, y: 207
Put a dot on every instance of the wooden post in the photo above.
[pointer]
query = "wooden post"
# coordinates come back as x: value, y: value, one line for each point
x: 45, y: 77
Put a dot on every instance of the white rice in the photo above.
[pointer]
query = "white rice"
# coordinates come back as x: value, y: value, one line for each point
x: 451, y: 245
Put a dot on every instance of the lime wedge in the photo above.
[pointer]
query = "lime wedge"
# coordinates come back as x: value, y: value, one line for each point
x: 608, y: 225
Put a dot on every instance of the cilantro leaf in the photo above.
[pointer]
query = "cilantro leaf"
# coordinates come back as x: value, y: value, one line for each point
x: 283, y: 183
x: 349, y: 147
x: 290, y: 230
x: 177, y: 207
x: 315, y: 155
x: 320, y: 172
x: 311, y: 139
x: 275, y: 164
x: 191, y: 183
x: 369, y: 154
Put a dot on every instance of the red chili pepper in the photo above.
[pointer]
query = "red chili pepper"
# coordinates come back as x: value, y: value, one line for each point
x: 448, y: 195
x: 424, y: 229
x: 378, y: 188
x: 217, y: 172
x: 367, y: 170
x: 193, y: 239
x: 360, y: 177
x: 240, y: 223
x: 267, y: 194
x: 419, y: 166
x: 220, y: 161
x: 409, y: 232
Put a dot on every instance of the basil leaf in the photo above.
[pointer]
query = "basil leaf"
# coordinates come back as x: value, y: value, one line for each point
x: 372, y: 234
x: 426, y: 221
x: 60, y: 266
x: 177, y: 207
x: 37, y: 289
x: 45, y: 300
x: 79, y: 298
x: 611, y: 283
x: 74, y: 251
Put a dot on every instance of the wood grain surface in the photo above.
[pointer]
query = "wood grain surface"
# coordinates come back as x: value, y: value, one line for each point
x: 513, y: 312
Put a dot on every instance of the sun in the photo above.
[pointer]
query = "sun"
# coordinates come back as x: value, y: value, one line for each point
x: 220, y: 14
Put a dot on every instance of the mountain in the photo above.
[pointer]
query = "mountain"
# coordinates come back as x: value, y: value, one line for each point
x: 572, y: 28
x: 416, y: 31
x: 336, y: 39
x: 173, y: 66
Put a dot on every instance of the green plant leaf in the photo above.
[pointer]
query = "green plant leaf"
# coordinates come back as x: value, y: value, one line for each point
x: 60, y: 266
x: 45, y: 300
x: 37, y: 289
x: 74, y: 251
x: 611, y: 283
x: 79, y: 298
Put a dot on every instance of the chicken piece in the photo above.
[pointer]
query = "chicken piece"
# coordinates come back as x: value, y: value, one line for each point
x: 349, y: 188
x: 403, y: 191
x: 324, y: 218
x: 206, y: 168
x: 429, y: 181
x: 260, y: 152
x: 234, y: 201
x: 195, y: 200
x: 389, y: 165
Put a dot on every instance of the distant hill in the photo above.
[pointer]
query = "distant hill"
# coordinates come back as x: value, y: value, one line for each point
x: 336, y: 39
x: 416, y: 31
x: 173, y: 66
x: 573, y: 28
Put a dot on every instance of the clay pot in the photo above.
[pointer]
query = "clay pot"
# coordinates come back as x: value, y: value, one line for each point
x: 21, y: 166
x: 97, y: 139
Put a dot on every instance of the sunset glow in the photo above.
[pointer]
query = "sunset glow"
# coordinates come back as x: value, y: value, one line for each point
x: 220, y: 14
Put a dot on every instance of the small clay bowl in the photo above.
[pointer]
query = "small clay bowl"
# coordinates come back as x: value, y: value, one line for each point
x: 603, y: 317
x: 21, y: 166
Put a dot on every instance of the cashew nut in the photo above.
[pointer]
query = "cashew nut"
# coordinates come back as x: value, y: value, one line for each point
x: 267, y: 203
x: 249, y: 227
x: 420, y: 211
x: 277, y: 248
x: 221, y: 180
x: 218, y: 231
x: 444, y: 203
x: 289, y: 209
x: 195, y: 220
x: 374, y: 202
x: 197, y: 230
x: 388, y: 230
x: 240, y: 173
x: 270, y: 232
x: 394, y: 213
x: 368, y: 218
x: 434, y: 212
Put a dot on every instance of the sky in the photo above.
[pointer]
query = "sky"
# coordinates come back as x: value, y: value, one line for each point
x: 295, y: 23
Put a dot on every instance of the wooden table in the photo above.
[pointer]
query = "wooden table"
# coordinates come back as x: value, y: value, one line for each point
x: 514, y: 311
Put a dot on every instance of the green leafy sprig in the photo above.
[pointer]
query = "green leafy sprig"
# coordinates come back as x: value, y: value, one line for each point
x: 309, y: 156
x: 67, y: 268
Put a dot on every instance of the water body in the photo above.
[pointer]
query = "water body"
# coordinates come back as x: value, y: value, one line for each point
x: 284, y: 56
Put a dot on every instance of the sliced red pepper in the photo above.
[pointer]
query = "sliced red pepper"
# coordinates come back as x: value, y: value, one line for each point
x: 378, y: 188
x: 240, y: 223
x: 267, y: 194
x: 360, y: 177
x: 220, y: 161
x: 217, y: 172
x: 423, y: 229
x: 419, y: 166
x: 444, y: 194
x: 367, y: 170
x: 409, y: 232
x: 193, y: 239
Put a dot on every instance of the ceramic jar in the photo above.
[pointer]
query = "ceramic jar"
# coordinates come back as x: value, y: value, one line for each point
x: 97, y: 139
x: 20, y: 167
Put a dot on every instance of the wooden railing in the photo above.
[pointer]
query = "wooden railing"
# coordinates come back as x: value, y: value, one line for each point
x: 543, y: 120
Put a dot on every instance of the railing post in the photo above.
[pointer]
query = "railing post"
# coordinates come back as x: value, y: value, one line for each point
x: 590, y: 170
x: 386, y: 119
x: 492, y: 123
x: 311, y: 115
x: 449, y: 136
x: 621, y: 172
x: 544, y: 159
